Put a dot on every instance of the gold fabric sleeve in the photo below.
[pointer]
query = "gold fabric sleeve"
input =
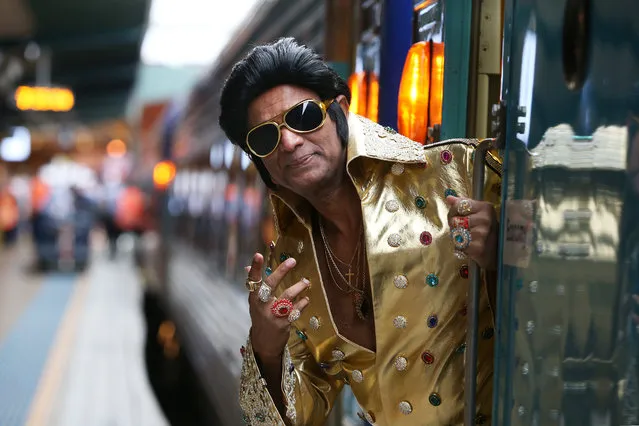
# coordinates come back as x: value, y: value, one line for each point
x: 255, y: 400
x: 308, y: 392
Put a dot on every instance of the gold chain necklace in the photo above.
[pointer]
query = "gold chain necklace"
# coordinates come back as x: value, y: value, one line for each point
x: 359, y: 298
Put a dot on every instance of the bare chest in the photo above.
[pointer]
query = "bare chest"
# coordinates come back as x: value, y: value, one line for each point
x: 354, y: 320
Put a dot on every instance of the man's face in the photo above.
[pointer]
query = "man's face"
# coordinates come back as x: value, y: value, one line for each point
x: 303, y: 163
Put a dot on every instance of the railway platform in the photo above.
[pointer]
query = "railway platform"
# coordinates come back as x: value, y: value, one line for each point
x: 72, y: 345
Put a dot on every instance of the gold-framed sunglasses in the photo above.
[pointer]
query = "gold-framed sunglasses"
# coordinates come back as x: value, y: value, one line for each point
x: 303, y: 117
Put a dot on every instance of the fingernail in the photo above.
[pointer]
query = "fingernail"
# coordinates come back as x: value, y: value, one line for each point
x: 308, y: 299
x: 290, y: 262
x: 305, y: 281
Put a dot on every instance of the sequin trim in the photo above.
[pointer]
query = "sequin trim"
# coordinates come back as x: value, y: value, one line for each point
x: 394, y: 147
x: 255, y: 400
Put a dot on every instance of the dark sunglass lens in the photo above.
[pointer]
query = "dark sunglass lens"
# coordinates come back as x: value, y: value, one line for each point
x: 263, y: 139
x: 304, y: 117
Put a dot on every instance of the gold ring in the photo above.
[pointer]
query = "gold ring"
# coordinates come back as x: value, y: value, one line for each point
x: 252, y: 285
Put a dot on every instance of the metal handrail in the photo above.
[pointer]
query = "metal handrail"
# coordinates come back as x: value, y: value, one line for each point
x: 470, y: 368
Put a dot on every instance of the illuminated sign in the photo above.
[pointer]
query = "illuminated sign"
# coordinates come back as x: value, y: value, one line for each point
x: 34, y: 98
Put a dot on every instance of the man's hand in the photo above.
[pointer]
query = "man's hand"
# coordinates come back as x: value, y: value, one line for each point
x: 479, y: 219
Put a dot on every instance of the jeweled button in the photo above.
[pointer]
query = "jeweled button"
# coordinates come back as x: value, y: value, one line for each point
x: 488, y: 333
x: 284, y: 256
x: 271, y: 245
x: 315, y: 323
x: 397, y: 169
x: 405, y: 407
x: 400, y: 281
x: 324, y: 365
x: 450, y: 192
x: 400, y: 321
x: 401, y: 363
x: 391, y: 206
x: 268, y: 271
x: 432, y: 280
x: 428, y: 357
x: 394, y: 240
x: 358, y: 376
x: 420, y: 202
x: 425, y: 238
x: 446, y: 156
x: 434, y: 399
x: 432, y: 321
x: 301, y: 334
x: 260, y: 417
x: 338, y: 354
x: 463, y: 271
x: 461, y: 348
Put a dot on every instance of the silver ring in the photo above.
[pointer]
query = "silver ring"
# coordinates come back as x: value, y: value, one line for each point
x: 264, y: 293
x: 461, y: 238
x: 294, y: 315
x: 464, y: 207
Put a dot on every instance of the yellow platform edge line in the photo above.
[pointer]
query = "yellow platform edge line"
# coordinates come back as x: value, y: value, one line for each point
x: 56, y: 366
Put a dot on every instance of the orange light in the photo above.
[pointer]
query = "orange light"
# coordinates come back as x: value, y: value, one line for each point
x: 163, y: 174
x: 372, y: 110
x: 364, y: 88
x: 116, y: 148
x: 357, y: 84
x: 56, y: 99
x: 435, y: 107
x: 412, y: 105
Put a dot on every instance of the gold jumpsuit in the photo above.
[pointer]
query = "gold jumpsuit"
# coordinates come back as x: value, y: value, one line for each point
x: 419, y: 290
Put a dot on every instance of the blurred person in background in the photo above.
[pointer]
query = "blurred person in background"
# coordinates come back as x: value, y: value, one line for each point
x: 366, y: 283
x: 9, y: 215
x: 109, y: 205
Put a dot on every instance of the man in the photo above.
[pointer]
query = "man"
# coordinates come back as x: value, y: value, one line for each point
x: 363, y: 286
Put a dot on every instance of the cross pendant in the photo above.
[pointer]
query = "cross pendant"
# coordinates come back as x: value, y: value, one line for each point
x: 349, y: 274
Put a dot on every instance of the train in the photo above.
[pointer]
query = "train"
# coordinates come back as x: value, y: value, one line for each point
x: 553, y: 83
